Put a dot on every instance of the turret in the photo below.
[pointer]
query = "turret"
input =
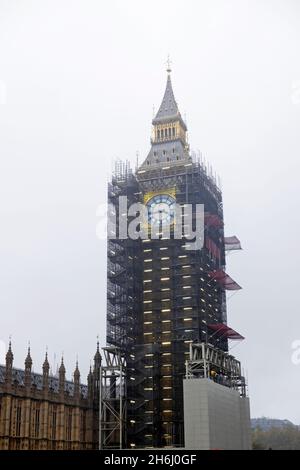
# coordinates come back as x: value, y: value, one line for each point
x: 97, y: 360
x: 97, y: 365
x: 28, y: 366
x: 76, y: 381
x: 46, y: 368
x: 9, y: 364
x: 62, y: 377
x: 90, y: 385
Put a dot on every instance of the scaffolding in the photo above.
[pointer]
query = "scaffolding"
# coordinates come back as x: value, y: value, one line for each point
x: 208, y: 362
x: 122, y: 267
x: 155, y: 357
x: 113, y: 400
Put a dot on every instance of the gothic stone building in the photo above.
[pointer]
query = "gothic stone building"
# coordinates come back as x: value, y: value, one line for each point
x: 43, y: 412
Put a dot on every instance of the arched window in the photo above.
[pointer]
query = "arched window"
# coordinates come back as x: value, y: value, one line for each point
x: 166, y: 132
x: 158, y: 134
x: 169, y: 131
x: 173, y: 131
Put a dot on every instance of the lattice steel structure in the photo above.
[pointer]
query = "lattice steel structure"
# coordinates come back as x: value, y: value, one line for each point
x: 205, y: 361
x: 113, y: 400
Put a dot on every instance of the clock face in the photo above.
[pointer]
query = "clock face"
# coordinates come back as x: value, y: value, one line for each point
x: 161, y: 209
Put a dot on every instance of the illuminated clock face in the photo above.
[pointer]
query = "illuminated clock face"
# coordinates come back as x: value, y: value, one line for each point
x: 161, y: 209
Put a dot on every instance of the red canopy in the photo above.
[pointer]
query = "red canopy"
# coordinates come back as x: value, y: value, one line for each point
x: 225, y: 280
x: 232, y: 243
x: 224, y: 330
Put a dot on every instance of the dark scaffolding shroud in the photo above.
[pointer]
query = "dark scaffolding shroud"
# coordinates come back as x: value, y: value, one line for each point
x: 125, y: 322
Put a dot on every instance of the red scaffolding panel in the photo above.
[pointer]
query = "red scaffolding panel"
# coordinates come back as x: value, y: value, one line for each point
x: 225, y: 330
x: 232, y: 243
x: 225, y: 280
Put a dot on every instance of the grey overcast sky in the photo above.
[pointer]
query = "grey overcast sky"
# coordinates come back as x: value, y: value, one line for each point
x: 78, y: 81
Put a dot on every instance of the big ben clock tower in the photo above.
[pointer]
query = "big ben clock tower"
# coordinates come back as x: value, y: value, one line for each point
x: 162, y: 295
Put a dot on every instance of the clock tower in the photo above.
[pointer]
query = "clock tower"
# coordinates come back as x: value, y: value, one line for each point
x: 163, y: 295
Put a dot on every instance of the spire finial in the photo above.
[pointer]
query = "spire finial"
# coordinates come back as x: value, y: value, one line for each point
x: 46, y: 354
x: 46, y: 365
x: 76, y: 372
x: 97, y: 357
x: 168, y: 64
x: 62, y: 369
x: 28, y: 360
x: 9, y: 354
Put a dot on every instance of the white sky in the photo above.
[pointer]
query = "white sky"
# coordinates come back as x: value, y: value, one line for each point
x: 78, y: 80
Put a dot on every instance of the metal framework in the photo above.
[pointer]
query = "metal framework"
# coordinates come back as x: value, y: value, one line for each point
x: 122, y: 267
x: 139, y: 310
x: 113, y: 400
x: 206, y: 361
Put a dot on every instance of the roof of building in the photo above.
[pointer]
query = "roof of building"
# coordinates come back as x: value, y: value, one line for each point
x: 172, y: 149
x: 37, y: 381
x: 166, y: 153
x: 168, y: 108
